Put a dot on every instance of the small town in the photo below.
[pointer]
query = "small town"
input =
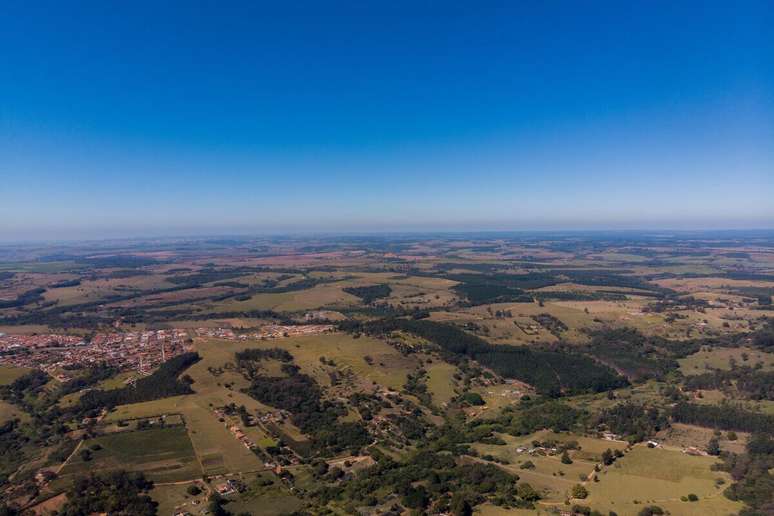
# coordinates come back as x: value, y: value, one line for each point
x: 58, y: 354
x: 137, y: 351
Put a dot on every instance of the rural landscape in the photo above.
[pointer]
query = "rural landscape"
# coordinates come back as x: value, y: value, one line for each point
x: 405, y: 258
x: 625, y: 373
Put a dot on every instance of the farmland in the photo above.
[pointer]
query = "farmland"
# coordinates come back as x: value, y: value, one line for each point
x: 661, y: 477
x: 342, y: 376
x: 163, y: 454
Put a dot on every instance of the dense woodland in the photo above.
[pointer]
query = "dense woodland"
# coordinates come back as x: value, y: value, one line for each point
x: 113, y: 493
x: 370, y: 293
x: 725, y: 417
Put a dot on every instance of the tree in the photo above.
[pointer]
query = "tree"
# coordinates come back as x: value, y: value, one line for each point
x: 713, y: 447
x: 527, y: 492
x: 416, y: 498
x: 117, y: 492
x: 566, y: 458
x: 607, y: 457
x: 193, y: 490
x: 580, y: 492
x: 460, y: 506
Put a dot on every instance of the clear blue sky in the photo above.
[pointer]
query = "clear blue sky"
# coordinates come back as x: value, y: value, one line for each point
x: 132, y: 118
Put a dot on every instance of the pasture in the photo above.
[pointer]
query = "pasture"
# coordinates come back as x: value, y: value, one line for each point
x: 496, y: 397
x: 174, y: 498
x: 549, y: 476
x: 660, y: 477
x: 720, y: 358
x: 388, y: 367
x: 163, y: 454
x: 9, y: 373
x: 266, y: 495
x: 683, y: 436
x: 440, y: 381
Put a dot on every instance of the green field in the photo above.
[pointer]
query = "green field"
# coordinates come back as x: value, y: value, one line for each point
x: 660, y: 477
x: 163, y: 454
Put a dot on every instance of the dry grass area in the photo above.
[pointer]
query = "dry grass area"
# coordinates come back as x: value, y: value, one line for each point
x: 721, y: 358
x: 8, y: 373
x: 661, y: 477
x: 440, y: 382
x: 681, y: 436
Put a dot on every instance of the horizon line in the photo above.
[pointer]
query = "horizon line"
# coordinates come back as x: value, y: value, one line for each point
x: 384, y: 233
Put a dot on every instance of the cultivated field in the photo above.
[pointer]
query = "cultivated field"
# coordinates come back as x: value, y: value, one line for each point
x: 163, y: 454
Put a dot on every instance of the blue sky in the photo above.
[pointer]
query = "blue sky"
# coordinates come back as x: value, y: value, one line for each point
x: 124, y: 119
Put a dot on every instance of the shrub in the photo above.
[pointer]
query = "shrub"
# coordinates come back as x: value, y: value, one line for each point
x: 580, y: 492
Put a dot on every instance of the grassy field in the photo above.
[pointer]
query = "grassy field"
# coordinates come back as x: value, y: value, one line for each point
x: 269, y: 500
x: 440, y: 381
x: 406, y: 290
x: 9, y: 411
x: 648, y: 392
x: 319, y: 296
x: 719, y: 358
x: 389, y: 367
x: 174, y: 498
x: 92, y: 290
x: 163, y: 454
x: 520, y: 328
x: 218, y: 451
x: 115, y: 382
x: 496, y: 397
x: 8, y: 373
x: 552, y: 478
x: 660, y: 477
x: 641, y: 477
x: 682, y: 436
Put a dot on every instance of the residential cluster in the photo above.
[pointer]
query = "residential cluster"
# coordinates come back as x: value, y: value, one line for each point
x: 58, y: 354
x: 270, y: 331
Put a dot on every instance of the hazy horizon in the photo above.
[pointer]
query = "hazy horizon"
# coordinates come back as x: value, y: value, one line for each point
x: 472, y: 233
x: 149, y: 120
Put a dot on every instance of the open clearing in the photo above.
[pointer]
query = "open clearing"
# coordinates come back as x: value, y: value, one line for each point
x: 720, y: 358
x: 660, y: 477
x: 389, y: 368
x: 8, y: 374
x: 550, y: 476
x: 440, y: 381
x: 9, y: 411
x: 163, y: 454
